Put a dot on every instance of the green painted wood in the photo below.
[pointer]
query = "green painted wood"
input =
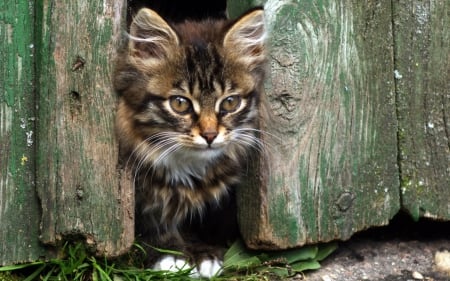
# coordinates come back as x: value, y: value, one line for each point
x: 332, y: 168
x: 82, y: 195
x: 422, y: 33
x: 19, y: 207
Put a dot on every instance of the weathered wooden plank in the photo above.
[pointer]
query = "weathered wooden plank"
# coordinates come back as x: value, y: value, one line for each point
x: 19, y: 207
x: 77, y: 165
x: 422, y: 47
x: 333, y: 171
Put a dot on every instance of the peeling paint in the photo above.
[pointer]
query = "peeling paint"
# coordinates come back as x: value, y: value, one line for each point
x: 19, y: 68
x: 19, y: 207
x: 23, y: 160
x: 29, y: 138
x: 9, y: 32
x: 6, y: 113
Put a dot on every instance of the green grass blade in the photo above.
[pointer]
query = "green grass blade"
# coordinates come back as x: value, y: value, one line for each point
x: 102, y: 274
x: 20, y: 266
x: 49, y: 274
x: 169, y: 252
x: 35, y: 273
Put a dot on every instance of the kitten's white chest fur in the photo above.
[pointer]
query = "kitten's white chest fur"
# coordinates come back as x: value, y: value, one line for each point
x: 185, y: 165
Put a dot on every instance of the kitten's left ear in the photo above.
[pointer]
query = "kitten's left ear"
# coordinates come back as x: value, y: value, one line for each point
x: 151, y: 36
x: 245, y: 39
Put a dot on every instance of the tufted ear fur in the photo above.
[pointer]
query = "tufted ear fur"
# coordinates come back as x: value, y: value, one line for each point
x: 151, y: 36
x: 245, y: 39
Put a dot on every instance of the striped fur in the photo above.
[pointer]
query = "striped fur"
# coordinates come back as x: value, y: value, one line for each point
x: 188, y: 115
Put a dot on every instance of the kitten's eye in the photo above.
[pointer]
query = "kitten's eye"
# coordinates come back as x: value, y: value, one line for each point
x: 230, y: 104
x: 180, y: 104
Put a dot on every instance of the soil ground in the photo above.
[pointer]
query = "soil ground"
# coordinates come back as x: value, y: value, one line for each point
x: 403, y: 251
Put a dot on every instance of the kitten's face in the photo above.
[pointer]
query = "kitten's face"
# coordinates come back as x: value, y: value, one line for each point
x: 198, y: 116
x: 190, y: 88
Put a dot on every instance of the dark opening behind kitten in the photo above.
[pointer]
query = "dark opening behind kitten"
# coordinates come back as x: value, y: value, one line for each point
x: 187, y: 121
x: 180, y: 10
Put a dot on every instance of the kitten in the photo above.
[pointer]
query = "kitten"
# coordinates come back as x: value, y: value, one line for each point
x: 187, y: 121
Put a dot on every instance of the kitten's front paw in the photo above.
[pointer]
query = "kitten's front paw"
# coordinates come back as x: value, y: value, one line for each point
x: 208, y: 268
x: 171, y: 263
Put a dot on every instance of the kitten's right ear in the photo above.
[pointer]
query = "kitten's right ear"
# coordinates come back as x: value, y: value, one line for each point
x: 151, y: 36
x: 245, y: 39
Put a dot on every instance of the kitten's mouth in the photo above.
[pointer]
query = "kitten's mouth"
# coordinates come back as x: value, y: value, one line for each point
x: 207, y: 151
x: 209, y: 147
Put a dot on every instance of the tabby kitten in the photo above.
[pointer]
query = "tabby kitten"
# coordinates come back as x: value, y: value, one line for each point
x: 187, y: 121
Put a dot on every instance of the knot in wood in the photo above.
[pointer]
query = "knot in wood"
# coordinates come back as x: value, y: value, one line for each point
x: 345, y: 201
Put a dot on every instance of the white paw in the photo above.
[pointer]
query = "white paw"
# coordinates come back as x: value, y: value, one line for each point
x: 171, y: 263
x: 207, y: 269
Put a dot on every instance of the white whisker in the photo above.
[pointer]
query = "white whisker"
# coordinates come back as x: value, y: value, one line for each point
x: 252, y: 141
x: 262, y: 132
x: 167, y: 151
x: 247, y: 137
x: 146, y: 141
x: 152, y: 150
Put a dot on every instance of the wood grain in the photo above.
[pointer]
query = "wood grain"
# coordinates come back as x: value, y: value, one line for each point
x: 19, y: 207
x: 331, y: 169
x: 81, y: 193
x: 422, y: 47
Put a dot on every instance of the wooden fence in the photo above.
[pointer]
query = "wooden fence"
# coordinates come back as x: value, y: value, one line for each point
x: 357, y: 123
x: 359, y: 93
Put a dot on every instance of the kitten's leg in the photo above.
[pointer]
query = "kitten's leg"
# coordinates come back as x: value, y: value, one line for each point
x: 206, y: 240
x: 152, y: 235
x: 201, y: 239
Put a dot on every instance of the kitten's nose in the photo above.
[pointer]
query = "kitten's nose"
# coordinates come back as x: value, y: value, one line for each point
x: 209, y: 136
